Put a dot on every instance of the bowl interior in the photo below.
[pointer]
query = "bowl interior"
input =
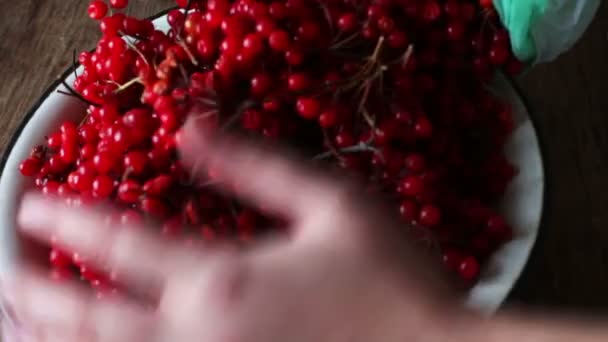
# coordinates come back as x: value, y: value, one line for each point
x: 522, y: 204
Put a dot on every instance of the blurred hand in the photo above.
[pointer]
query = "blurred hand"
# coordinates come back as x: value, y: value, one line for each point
x: 344, y: 275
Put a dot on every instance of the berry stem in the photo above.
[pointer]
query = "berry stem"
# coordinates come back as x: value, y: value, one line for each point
x: 360, y: 147
x: 128, y: 84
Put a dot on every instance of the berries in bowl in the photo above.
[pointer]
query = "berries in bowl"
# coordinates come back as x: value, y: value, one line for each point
x: 406, y: 96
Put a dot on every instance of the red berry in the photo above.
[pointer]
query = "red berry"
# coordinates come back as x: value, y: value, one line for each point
x: 277, y: 10
x: 408, y: 210
x: 279, y: 40
x: 469, y: 269
x: 135, y: 162
x: 308, y: 108
x: 498, y: 55
x: 261, y: 84
x: 415, y: 162
x: 129, y: 191
x: 423, y: 128
x: 119, y: 3
x: 328, y: 118
x: 97, y: 9
x: 430, y: 216
x: 348, y: 22
x: 158, y: 186
x: 253, y: 44
x: 105, y: 161
x: 298, y: 82
x: 344, y: 139
x: 59, y: 259
x: 30, y: 167
x: 102, y: 187
x: 411, y: 186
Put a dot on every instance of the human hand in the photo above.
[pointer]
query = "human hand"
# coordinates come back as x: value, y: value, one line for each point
x: 345, y: 274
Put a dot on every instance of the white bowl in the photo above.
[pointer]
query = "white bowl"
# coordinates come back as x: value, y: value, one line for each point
x: 522, y: 204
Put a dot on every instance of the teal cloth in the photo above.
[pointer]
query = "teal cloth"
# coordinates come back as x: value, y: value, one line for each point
x: 541, y: 30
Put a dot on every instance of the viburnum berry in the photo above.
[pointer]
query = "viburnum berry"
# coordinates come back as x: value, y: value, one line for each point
x: 97, y: 10
x: 308, y: 108
x: 429, y: 216
x: 348, y: 22
x: 468, y: 269
x: 120, y: 4
x: 279, y: 40
x: 102, y: 187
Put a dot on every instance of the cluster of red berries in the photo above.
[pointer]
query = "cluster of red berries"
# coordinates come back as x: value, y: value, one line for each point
x: 392, y: 91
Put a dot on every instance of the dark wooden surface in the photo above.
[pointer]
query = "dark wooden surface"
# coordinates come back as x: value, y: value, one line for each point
x: 569, y: 100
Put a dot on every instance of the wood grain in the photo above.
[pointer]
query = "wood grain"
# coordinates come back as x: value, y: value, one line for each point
x: 569, y: 100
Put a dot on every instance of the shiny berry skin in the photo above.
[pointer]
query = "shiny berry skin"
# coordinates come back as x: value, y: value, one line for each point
x: 308, y: 108
x: 253, y: 44
x: 102, y: 187
x: 105, y: 161
x: 120, y: 4
x: 279, y: 40
x: 348, y: 22
x: 468, y: 269
x: 411, y: 186
x: 451, y: 259
x: 135, y: 162
x: 97, y: 10
x: 344, y: 139
x: 298, y: 82
x: 423, y: 128
x: 159, y: 185
x: 261, y: 84
x: 277, y: 10
x: 328, y: 118
x: 415, y: 162
x: 59, y: 259
x: 498, y: 55
x: 430, y: 216
x: 30, y: 167
x: 408, y: 210
x: 129, y: 191
x: 455, y: 31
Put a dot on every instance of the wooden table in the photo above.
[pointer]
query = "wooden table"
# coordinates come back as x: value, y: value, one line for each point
x: 569, y: 100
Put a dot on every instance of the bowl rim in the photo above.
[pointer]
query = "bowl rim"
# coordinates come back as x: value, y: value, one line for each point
x: 540, y: 234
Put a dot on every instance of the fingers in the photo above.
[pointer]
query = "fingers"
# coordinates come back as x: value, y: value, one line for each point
x: 261, y: 177
x: 52, y: 309
x: 130, y: 254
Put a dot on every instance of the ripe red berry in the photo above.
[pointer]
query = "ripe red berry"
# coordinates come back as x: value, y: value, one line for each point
x: 498, y: 55
x: 411, y: 186
x: 415, y: 162
x: 102, y: 187
x: 261, y: 84
x: 408, y: 210
x: 279, y: 40
x: 119, y: 3
x: 54, y: 141
x: 298, y: 82
x: 348, y: 22
x: 468, y: 269
x: 423, y: 128
x: 59, y: 259
x: 97, y: 10
x: 308, y: 108
x: 129, y: 191
x: 430, y: 216
x: 328, y: 118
